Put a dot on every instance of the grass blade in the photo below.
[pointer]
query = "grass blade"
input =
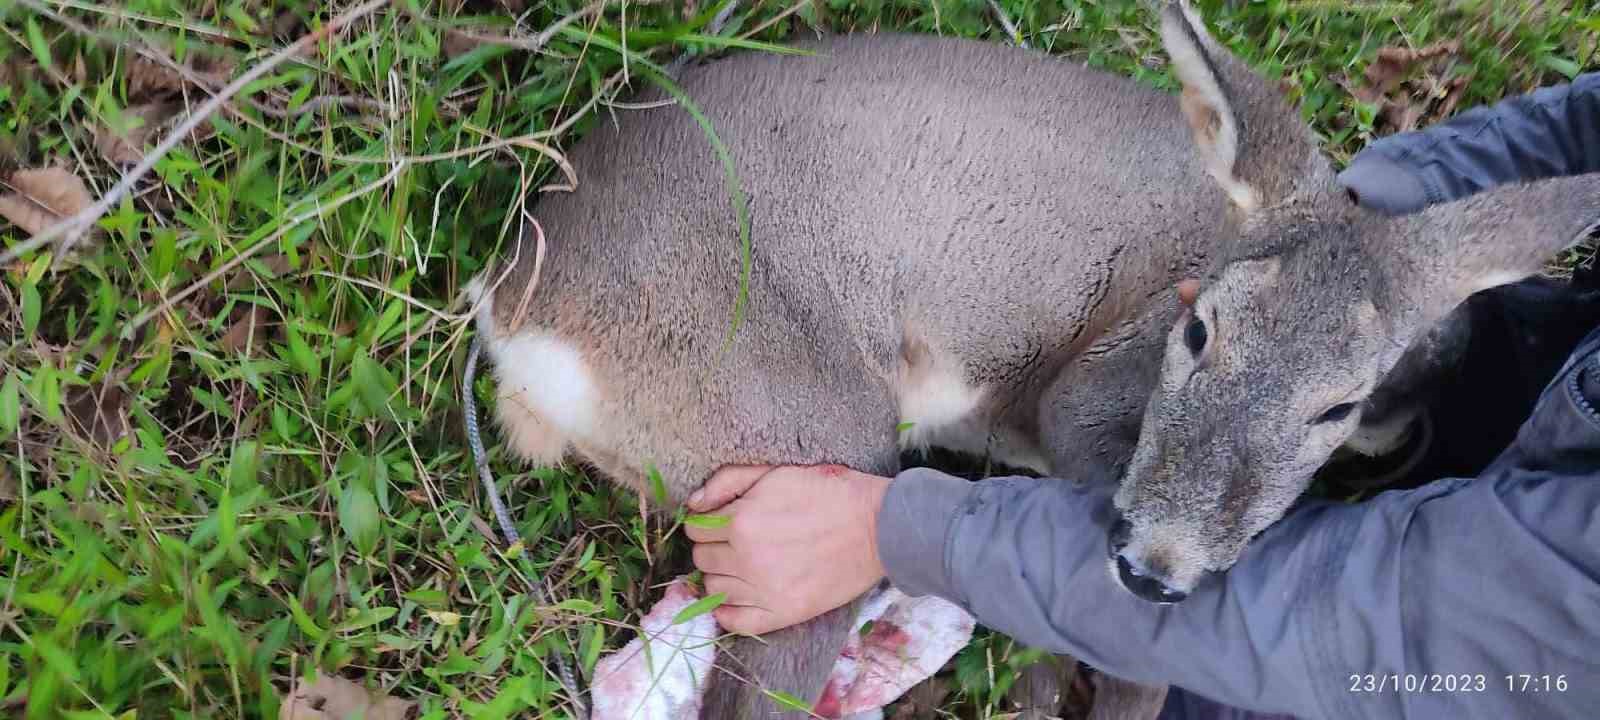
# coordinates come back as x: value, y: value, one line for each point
x: 699, y: 607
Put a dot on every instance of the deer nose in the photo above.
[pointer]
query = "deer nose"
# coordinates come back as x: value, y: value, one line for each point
x: 1134, y: 578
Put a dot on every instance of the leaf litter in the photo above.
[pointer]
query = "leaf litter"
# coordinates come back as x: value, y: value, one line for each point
x: 42, y: 197
x: 1412, y: 87
x: 99, y: 412
x: 331, y: 697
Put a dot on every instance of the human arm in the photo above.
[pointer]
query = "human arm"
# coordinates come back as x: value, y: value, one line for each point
x: 1446, y: 590
x: 785, y: 544
x: 1549, y: 132
x: 1460, y: 581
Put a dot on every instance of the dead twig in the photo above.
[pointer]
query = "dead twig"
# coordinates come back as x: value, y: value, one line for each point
x: 1005, y: 22
x: 528, y: 44
x: 775, y: 19
x: 73, y: 228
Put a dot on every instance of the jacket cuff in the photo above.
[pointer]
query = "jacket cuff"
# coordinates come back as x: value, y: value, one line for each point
x: 1384, y: 185
x: 914, y: 525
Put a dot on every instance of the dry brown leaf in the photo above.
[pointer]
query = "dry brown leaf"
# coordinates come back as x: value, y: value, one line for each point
x: 1454, y: 89
x: 1394, y: 64
x: 1412, y: 88
x: 276, y: 265
x: 215, y: 71
x: 147, y: 78
x: 334, y: 698
x: 472, y: 34
x: 1403, y: 116
x: 286, y: 25
x: 248, y: 332
x: 99, y: 412
x: 141, y: 126
x: 13, y: 70
x: 43, y: 197
x: 9, y: 491
x: 456, y: 43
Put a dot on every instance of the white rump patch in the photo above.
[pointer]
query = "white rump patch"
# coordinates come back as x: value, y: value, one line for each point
x: 549, y: 376
x: 546, y: 392
x: 933, y: 397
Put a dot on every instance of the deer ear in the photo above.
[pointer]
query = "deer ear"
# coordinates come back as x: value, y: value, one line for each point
x: 1435, y: 259
x: 1252, y: 141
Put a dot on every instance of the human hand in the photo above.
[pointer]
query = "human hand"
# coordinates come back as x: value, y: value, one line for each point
x: 799, y: 541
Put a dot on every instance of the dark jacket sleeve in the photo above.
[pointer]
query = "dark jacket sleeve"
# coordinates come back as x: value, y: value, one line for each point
x: 1550, y: 132
x: 1463, y: 598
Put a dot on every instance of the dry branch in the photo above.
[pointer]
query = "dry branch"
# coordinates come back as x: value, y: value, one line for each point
x: 71, y: 230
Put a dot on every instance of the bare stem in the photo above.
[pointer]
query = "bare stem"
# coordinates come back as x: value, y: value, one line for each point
x: 72, y: 229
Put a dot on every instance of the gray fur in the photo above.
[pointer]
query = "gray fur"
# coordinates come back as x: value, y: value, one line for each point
x: 919, y: 200
x: 906, y: 198
x: 1117, y: 699
x: 1311, y: 307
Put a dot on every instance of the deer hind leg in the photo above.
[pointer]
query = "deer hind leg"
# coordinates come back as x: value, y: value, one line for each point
x: 1118, y: 699
x: 1042, y: 688
x: 795, y: 661
x: 798, y: 660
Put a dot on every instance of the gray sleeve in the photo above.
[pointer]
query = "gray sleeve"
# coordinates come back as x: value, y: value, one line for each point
x: 1446, y: 589
x: 1550, y: 132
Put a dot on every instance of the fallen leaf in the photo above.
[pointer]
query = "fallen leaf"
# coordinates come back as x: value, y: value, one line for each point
x: 13, y: 70
x: 334, y: 698
x: 140, y: 125
x: 1394, y: 64
x: 470, y: 35
x: 483, y: 528
x: 148, y: 78
x: 99, y: 412
x: 248, y: 332
x: 275, y: 265
x: 8, y: 486
x: 43, y: 197
x: 1412, y: 88
x: 286, y: 26
x: 456, y: 43
x: 1453, y: 91
x: 1403, y: 116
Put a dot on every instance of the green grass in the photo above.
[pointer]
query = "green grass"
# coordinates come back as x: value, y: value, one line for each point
x: 254, y: 504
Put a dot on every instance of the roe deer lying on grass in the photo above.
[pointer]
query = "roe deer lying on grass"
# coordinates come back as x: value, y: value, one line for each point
x: 982, y: 241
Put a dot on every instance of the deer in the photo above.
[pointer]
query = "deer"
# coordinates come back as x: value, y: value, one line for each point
x: 982, y: 248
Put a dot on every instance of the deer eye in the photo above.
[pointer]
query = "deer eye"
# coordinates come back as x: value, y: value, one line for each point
x: 1195, y: 336
x: 1335, y: 413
